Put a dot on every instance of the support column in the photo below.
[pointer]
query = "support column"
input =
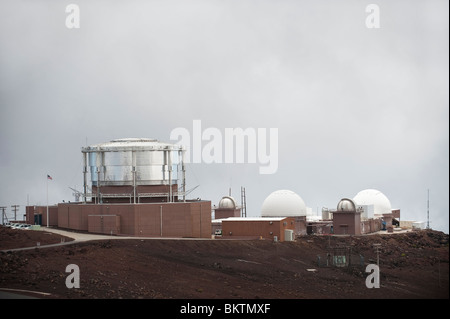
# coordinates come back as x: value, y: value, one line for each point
x: 134, y: 184
x: 183, y: 171
x: 85, y: 154
x: 200, y: 221
x: 169, y: 160
x: 160, y: 216
x: 133, y: 169
x: 98, y: 185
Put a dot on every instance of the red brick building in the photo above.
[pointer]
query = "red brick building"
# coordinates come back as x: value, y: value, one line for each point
x: 347, y: 218
x: 176, y: 219
x: 254, y: 228
x: 227, y: 208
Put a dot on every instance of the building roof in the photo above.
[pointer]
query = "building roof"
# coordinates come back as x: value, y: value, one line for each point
x: 127, y: 144
x: 347, y: 205
x: 228, y: 202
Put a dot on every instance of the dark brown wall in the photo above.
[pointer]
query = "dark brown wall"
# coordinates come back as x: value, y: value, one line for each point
x: 200, y: 219
x: 255, y: 229
x: 29, y: 212
x: 182, y: 219
x: 396, y: 213
x: 42, y: 210
x: 220, y: 213
x: 346, y: 223
x: 104, y: 224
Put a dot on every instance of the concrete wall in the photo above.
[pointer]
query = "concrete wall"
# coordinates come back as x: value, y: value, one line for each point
x: 370, y: 226
x: 319, y: 228
x: 300, y: 228
x: 406, y: 224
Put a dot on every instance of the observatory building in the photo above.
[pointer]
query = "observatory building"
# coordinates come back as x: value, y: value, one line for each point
x: 133, y: 170
x: 137, y: 187
x: 347, y: 218
x: 376, y: 206
x: 286, y: 203
x: 227, y: 208
x: 133, y: 186
x: 369, y: 211
x: 373, y: 202
x: 283, y: 203
x: 277, y: 224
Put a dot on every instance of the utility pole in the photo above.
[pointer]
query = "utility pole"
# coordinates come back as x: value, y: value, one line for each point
x: 15, y: 209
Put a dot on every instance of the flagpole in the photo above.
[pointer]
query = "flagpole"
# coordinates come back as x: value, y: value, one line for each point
x: 47, y: 201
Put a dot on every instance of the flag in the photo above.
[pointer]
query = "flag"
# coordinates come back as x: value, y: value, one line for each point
x: 49, y: 177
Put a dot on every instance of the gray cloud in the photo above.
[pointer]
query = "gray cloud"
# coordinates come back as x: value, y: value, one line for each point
x: 355, y: 108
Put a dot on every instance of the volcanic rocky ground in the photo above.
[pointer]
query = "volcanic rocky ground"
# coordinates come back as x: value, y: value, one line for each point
x: 412, y: 265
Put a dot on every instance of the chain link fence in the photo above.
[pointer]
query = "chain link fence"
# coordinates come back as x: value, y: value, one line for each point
x: 340, y: 257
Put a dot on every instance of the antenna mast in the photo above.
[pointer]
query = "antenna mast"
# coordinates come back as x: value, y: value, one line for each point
x: 243, y: 202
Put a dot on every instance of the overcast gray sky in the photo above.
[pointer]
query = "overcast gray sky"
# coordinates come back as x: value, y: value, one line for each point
x: 355, y: 108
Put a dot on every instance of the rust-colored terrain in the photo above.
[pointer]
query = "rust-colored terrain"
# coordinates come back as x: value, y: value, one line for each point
x: 412, y: 265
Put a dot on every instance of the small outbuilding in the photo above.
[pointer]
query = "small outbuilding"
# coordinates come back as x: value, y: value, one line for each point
x: 227, y: 208
x: 272, y: 228
x: 347, y: 218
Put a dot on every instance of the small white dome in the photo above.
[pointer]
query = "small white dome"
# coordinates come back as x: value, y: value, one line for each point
x: 381, y: 204
x: 347, y: 205
x: 283, y: 203
x: 227, y: 202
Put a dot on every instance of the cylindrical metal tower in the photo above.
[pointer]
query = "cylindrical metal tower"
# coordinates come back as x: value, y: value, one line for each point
x: 134, y: 169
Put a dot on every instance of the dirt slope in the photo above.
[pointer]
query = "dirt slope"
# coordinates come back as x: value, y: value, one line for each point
x: 14, y: 238
x: 412, y: 265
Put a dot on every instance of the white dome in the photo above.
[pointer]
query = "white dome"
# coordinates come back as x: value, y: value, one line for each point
x: 227, y: 202
x: 283, y: 203
x: 381, y: 204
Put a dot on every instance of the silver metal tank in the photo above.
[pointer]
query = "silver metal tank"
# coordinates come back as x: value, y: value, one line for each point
x: 134, y: 161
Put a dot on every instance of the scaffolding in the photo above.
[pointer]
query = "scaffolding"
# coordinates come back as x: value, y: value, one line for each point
x: 97, y: 197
